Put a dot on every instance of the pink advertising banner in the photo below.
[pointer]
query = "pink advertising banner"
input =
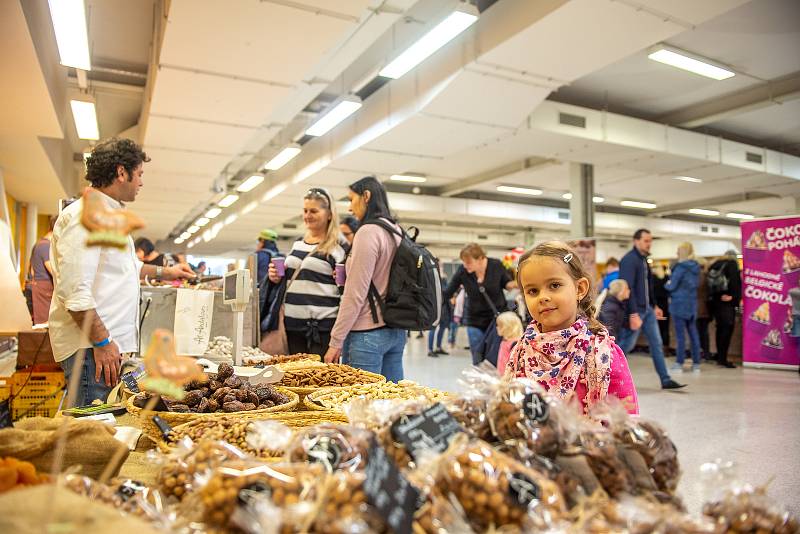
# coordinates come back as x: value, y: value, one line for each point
x: 771, y: 268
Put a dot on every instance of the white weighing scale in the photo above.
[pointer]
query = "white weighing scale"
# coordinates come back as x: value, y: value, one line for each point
x: 236, y: 289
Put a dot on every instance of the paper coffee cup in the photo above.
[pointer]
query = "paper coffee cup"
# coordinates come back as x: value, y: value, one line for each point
x: 341, y: 274
x: 280, y: 266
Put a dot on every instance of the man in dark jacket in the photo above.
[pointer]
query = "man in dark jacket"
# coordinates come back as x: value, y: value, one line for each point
x: 725, y: 292
x: 642, y: 311
x: 613, y: 310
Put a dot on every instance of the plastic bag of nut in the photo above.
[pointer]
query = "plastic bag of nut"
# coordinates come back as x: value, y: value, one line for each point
x: 188, y: 466
x: 495, y: 490
x: 477, y: 383
x: 335, y: 447
x: 259, y: 438
x: 520, y: 415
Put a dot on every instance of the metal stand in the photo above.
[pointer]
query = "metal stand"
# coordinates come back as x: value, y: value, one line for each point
x: 238, y: 334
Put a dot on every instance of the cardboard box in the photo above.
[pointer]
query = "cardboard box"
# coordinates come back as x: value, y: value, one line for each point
x: 34, y: 349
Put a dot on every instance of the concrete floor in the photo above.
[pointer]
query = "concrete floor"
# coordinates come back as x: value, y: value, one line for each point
x: 748, y: 416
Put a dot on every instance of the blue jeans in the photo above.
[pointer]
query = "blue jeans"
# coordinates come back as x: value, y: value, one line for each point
x: 451, y: 335
x: 475, y: 336
x: 628, y: 337
x: 88, y: 388
x: 681, y: 327
x: 438, y: 333
x: 378, y: 351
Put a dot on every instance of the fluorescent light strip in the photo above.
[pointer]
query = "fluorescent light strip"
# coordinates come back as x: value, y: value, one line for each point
x: 637, y: 204
x: 202, y: 221
x: 230, y: 218
x: 193, y: 228
x: 85, y: 118
x: 519, y: 190
x: 250, y: 207
x: 207, y: 236
x: 250, y: 184
x: 69, y: 25
x: 688, y: 179
x: 274, y: 192
x: 285, y: 156
x: 410, y: 178
x: 190, y: 245
x: 567, y: 196
x: 680, y: 60
x: 337, y: 114
x: 228, y: 201
x: 743, y: 216
x: 186, y: 235
x: 443, y: 33
x: 700, y: 211
x: 178, y: 241
x: 213, y: 212
x: 598, y: 200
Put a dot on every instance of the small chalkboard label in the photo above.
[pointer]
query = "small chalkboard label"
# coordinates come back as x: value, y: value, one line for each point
x: 5, y: 414
x: 389, y: 492
x: 248, y: 493
x: 163, y: 427
x: 130, y: 382
x: 129, y: 489
x: 523, y: 489
x: 536, y: 408
x: 433, y: 429
x: 327, y: 452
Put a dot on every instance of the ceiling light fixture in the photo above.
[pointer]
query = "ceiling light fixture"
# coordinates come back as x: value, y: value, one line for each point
x: 193, y: 228
x: 274, y: 192
x: 285, y: 156
x: 598, y: 200
x: 85, y: 118
x: 190, y: 245
x: 519, y: 190
x: 700, y: 211
x: 202, y: 221
x: 637, y: 204
x: 230, y: 218
x: 207, y: 236
x: 213, y: 212
x: 250, y: 207
x: 178, y: 241
x: 250, y: 184
x: 228, y: 201
x: 689, y: 179
x: 440, y: 35
x: 69, y: 25
x: 567, y: 196
x: 339, y: 111
x: 742, y: 216
x: 186, y: 235
x: 681, y: 59
x: 410, y: 178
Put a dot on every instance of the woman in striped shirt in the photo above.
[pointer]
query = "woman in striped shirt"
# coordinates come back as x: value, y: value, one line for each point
x: 312, y: 296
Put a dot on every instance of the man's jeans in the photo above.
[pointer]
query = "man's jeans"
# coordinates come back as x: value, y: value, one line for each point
x: 88, y: 388
x: 378, y: 351
x: 627, y: 340
x: 475, y: 336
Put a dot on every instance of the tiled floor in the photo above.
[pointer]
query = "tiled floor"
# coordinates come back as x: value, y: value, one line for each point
x: 749, y: 416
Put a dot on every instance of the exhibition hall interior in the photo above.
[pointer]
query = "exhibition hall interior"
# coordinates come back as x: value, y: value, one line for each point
x: 400, y: 266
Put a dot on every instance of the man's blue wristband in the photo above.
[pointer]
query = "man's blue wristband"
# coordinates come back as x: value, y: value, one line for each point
x: 103, y: 343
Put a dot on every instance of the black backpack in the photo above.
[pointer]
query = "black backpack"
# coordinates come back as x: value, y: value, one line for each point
x: 414, y: 296
x: 717, y: 280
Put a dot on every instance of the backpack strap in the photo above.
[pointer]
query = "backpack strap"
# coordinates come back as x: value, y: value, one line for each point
x: 374, y: 296
x: 482, y: 291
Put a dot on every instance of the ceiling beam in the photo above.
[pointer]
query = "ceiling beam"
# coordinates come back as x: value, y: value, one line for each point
x: 468, y: 183
x: 715, y: 201
x: 763, y: 95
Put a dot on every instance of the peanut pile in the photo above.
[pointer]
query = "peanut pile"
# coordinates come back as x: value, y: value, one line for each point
x: 332, y: 375
x: 405, y: 389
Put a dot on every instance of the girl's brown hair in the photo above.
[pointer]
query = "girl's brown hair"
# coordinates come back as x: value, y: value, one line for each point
x: 562, y: 252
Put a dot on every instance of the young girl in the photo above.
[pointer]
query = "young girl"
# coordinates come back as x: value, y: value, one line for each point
x: 565, y: 349
x: 509, y: 327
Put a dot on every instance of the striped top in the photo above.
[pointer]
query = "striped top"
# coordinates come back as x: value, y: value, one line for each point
x: 314, y: 295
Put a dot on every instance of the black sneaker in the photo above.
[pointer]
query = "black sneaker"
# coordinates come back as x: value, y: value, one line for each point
x: 671, y: 384
x: 432, y: 354
x: 727, y: 365
x: 442, y: 352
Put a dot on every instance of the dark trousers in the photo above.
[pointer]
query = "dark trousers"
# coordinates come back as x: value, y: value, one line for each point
x: 725, y: 317
x: 663, y: 327
x: 299, y: 343
x: 702, y: 330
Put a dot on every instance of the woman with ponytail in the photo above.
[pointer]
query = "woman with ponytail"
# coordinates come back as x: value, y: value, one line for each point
x: 564, y: 348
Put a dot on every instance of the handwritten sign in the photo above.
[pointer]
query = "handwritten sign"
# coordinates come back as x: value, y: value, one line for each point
x: 193, y: 314
x: 389, y: 492
x: 433, y: 429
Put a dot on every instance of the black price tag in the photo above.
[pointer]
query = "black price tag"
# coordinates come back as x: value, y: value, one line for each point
x: 389, y: 492
x: 131, y: 382
x: 129, y: 489
x: 536, y: 408
x: 5, y: 414
x: 163, y: 426
x: 254, y: 491
x: 433, y: 429
x: 523, y: 489
x: 327, y: 452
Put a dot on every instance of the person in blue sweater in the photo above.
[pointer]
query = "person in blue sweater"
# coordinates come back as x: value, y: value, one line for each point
x: 682, y: 288
x: 643, y: 314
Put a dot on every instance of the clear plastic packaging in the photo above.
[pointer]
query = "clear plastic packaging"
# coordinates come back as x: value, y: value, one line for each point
x: 260, y: 438
x: 127, y: 496
x: 335, y: 447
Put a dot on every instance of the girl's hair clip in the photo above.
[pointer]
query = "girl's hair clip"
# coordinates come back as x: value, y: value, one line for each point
x: 568, y: 258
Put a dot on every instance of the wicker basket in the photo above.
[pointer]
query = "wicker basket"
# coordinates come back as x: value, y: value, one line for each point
x: 176, y: 418
x: 367, y: 378
x: 318, y: 401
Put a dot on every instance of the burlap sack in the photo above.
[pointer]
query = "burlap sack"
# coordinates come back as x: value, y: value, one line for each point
x: 90, y: 444
x: 30, y: 509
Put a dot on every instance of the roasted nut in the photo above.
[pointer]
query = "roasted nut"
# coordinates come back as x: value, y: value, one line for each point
x: 234, y: 406
x: 224, y: 371
x: 233, y: 382
x: 329, y: 375
x: 193, y: 398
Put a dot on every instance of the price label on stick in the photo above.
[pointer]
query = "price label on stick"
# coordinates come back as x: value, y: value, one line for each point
x: 433, y: 429
x: 131, y: 382
x: 536, y: 408
x: 389, y: 492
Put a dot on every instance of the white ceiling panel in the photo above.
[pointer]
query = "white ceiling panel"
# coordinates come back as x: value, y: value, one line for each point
x: 431, y: 136
x: 201, y: 96
x: 778, y: 124
x: 365, y: 161
x: 251, y: 39
x: 193, y: 135
x: 173, y: 161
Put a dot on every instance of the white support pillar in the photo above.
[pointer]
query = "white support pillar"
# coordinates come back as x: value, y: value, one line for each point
x: 31, y: 229
x: 581, y: 206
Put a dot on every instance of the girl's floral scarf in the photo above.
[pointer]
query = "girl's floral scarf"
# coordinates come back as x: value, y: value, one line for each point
x: 559, y: 360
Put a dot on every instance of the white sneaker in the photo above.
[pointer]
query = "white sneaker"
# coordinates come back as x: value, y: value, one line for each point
x: 678, y: 368
x: 696, y: 368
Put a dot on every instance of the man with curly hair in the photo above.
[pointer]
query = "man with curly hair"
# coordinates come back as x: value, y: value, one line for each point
x: 98, y: 289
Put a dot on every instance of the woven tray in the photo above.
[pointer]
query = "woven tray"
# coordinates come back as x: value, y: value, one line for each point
x: 174, y: 419
x: 366, y: 378
x: 411, y: 390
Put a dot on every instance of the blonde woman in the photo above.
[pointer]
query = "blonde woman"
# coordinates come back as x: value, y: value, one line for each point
x: 509, y: 327
x: 683, y: 305
x: 312, y: 297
